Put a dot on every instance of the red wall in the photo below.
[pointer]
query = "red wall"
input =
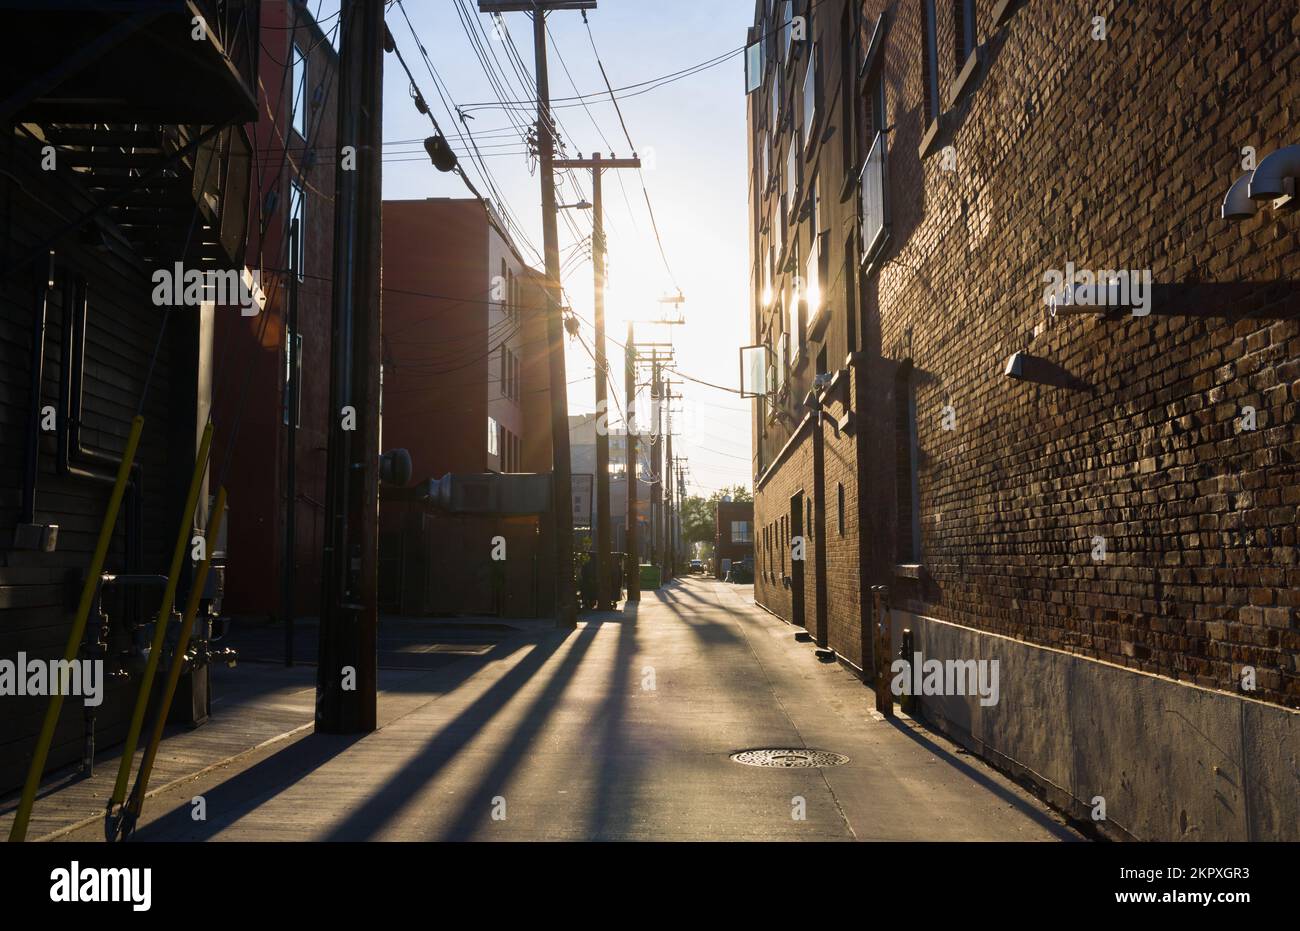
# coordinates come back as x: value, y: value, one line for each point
x: 248, y: 381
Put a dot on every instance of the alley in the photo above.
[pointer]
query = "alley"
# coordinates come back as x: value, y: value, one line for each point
x: 621, y: 729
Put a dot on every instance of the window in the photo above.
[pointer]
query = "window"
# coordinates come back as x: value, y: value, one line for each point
x: 505, y: 362
x: 292, y: 371
x: 740, y: 532
x: 776, y: 103
x: 787, y: 30
x: 298, y: 102
x: 812, y: 283
x: 298, y: 229
x: 810, y: 95
x: 840, y: 514
x: 906, y: 477
x: 930, y: 66
x: 963, y: 27
x: 792, y: 172
x: 848, y: 72
x: 754, y: 64
x: 873, y: 215
x: 795, y: 303
x: 494, y: 447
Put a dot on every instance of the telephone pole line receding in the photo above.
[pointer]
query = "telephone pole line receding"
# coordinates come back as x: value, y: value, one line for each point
x: 566, y: 611
x: 605, y: 599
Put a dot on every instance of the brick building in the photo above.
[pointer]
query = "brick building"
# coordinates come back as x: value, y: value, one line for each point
x: 733, y: 535
x: 1103, y: 498
x: 295, y: 136
x: 466, y: 392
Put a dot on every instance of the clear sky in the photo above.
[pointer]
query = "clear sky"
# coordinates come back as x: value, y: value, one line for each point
x: 690, y: 134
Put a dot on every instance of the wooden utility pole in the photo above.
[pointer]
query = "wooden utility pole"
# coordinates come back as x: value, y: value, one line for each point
x: 604, y: 601
x: 656, y: 459
x: 633, y: 557
x: 347, y: 671
x: 566, y: 610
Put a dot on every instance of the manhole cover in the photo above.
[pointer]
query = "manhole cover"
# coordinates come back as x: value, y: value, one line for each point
x: 789, y: 758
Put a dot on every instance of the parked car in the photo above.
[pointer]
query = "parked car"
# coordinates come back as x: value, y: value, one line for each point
x: 697, y: 565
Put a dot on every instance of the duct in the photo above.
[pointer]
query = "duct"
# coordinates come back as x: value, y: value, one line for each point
x: 1269, y: 180
x: 1237, y: 204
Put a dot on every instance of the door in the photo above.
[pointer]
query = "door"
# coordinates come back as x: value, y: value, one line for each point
x: 797, y: 547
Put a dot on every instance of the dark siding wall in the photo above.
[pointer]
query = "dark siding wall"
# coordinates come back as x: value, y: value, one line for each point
x: 38, y: 590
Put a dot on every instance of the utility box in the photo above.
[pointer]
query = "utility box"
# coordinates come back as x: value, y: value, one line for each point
x: 651, y: 577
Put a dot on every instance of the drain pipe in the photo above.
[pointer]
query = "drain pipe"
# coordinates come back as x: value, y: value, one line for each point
x: 27, y: 533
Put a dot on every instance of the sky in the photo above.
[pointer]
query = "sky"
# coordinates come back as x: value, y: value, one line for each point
x: 690, y: 135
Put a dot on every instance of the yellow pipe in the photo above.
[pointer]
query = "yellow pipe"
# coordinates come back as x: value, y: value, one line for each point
x: 19, y: 830
x: 136, y: 803
x: 164, y: 617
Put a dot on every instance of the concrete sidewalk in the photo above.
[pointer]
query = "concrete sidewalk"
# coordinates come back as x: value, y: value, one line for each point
x: 619, y: 730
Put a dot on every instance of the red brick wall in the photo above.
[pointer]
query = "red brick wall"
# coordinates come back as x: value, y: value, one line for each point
x: 1107, y: 154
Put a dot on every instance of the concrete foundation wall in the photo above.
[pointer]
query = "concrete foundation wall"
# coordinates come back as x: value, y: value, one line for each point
x: 1173, y: 761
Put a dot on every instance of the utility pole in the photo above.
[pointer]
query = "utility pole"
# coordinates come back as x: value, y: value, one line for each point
x: 666, y: 476
x: 656, y: 459
x: 633, y: 557
x: 566, y: 611
x: 347, y: 671
x: 604, y: 601
x: 668, y: 498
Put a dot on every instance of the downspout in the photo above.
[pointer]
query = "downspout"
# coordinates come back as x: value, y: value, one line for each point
x: 31, y: 463
x: 819, y: 528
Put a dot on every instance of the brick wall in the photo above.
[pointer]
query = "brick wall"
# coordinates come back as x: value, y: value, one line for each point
x: 1111, y: 154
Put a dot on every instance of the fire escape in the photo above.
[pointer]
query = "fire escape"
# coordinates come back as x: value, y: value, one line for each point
x: 143, y: 102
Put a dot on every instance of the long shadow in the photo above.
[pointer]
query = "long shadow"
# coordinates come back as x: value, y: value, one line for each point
x: 708, y: 631
x: 241, y: 793
x: 975, y: 775
x: 609, y: 752
x: 479, y: 802
x: 390, y: 799
x: 236, y: 797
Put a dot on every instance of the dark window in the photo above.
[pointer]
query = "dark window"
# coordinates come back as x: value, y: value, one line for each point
x: 840, y: 515
x: 963, y: 30
x: 848, y: 83
x: 930, y: 65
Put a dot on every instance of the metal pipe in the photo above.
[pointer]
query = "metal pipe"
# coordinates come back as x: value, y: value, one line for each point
x: 135, y: 805
x: 164, y: 615
x: 31, y: 464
